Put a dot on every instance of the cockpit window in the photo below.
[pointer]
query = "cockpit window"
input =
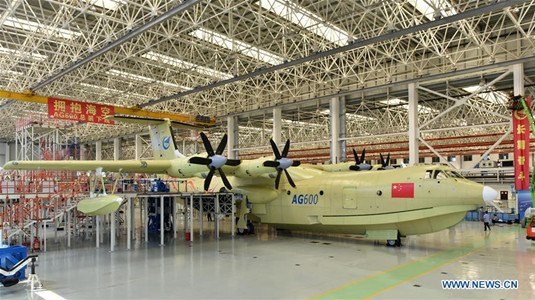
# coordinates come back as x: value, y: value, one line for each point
x: 428, y: 174
x: 439, y: 174
x: 455, y: 174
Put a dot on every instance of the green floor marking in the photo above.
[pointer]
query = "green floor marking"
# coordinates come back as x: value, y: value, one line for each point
x: 383, y: 281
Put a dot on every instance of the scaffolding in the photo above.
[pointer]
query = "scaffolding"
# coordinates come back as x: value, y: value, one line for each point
x: 40, y: 138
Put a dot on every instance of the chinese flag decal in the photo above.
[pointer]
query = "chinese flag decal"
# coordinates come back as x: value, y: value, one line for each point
x: 402, y: 190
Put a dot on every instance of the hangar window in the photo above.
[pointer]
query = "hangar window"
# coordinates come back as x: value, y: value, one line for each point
x: 421, y: 160
x: 436, y: 159
x: 467, y: 158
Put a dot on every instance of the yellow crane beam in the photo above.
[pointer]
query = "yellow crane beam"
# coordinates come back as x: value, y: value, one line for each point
x: 131, y: 111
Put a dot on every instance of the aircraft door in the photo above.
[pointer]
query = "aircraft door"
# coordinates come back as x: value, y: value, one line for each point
x: 350, y: 197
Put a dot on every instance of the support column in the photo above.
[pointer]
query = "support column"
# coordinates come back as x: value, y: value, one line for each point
x: 146, y: 218
x: 191, y: 219
x: 112, y: 232
x: 174, y: 218
x: 343, y: 131
x: 98, y: 150
x: 97, y: 234
x: 162, y: 232
x: 334, y: 106
x: 83, y: 153
x: 232, y: 133
x: 7, y: 156
x: 68, y: 228
x: 216, y: 216
x: 277, y: 125
x: 413, y: 124
x: 116, y: 148
x: 138, y: 144
x: 128, y: 213
x: 201, y: 214
x: 233, y: 216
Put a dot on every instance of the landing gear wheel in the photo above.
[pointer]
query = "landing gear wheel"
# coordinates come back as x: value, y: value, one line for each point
x: 394, y: 243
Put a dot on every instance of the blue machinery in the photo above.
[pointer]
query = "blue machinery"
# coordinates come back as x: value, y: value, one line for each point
x: 13, y: 263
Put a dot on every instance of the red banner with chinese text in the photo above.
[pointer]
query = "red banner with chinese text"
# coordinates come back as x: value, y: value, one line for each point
x: 79, y: 111
x: 521, y: 131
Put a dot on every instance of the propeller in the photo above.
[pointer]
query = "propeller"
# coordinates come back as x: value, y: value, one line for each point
x: 360, y: 164
x: 281, y: 162
x: 385, y: 165
x: 214, y: 161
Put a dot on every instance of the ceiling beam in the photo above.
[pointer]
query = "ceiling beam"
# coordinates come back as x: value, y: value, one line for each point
x: 499, y: 5
x: 131, y: 34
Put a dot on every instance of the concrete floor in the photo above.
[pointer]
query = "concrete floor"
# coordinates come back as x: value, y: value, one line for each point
x: 291, y: 266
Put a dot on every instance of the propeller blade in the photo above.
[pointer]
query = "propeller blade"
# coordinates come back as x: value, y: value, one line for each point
x: 200, y: 160
x: 286, y: 149
x: 382, y: 160
x: 278, y: 179
x: 225, y: 180
x: 222, y: 145
x: 296, y: 163
x: 233, y: 162
x: 275, y: 149
x: 208, y: 179
x: 207, y: 145
x: 388, y: 160
x: 290, y: 180
x: 363, y: 157
x: 271, y: 163
x: 356, y: 156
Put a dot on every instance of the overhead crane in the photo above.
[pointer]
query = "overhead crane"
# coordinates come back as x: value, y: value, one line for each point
x: 198, y: 120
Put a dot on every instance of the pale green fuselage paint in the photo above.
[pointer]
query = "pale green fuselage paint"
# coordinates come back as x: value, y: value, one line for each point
x: 361, y: 202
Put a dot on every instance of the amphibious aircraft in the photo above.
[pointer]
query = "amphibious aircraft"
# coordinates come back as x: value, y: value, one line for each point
x: 377, y: 202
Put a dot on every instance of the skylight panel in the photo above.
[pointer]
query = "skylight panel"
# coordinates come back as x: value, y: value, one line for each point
x: 249, y: 128
x: 428, y: 8
x: 306, y: 19
x: 101, y: 88
x: 393, y: 101
x: 302, y: 123
x: 350, y: 116
x: 106, y: 4
x: 22, y: 54
x: 9, y: 73
x: 145, y: 79
x: 359, y: 117
x: 495, y: 97
x: 235, y: 45
x: 422, y: 109
x: 181, y: 64
x: 35, y: 27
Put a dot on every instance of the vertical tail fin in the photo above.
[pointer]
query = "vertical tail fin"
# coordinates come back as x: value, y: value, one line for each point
x: 163, y: 141
x: 161, y: 134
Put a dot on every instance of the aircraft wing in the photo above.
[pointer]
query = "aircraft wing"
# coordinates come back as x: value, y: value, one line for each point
x: 129, y: 166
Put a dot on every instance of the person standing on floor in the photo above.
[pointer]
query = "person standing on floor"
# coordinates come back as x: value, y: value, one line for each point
x: 486, y: 220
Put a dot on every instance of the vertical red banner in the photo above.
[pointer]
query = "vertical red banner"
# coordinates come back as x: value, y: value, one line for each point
x: 521, y: 131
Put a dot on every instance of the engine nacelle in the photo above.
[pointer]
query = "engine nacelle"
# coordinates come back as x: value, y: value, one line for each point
x: 253, y: 168
x: 181, y: 168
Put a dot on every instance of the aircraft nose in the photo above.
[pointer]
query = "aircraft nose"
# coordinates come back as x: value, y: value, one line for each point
x: 489, y: 194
